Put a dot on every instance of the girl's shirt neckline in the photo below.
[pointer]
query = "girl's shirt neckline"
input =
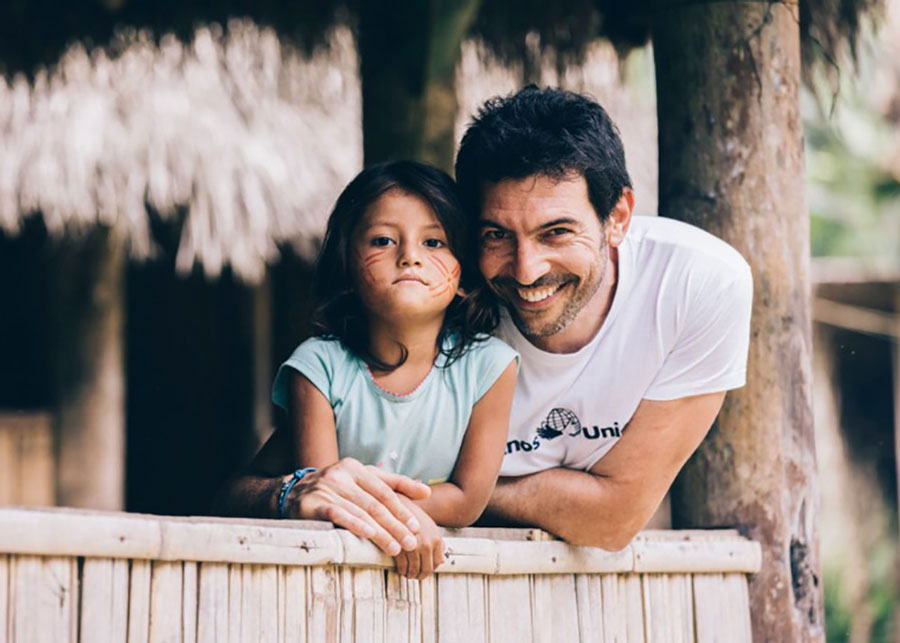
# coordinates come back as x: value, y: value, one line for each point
x: 417, y: 390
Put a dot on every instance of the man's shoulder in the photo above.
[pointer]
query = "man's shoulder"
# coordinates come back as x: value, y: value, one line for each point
x: 676, y: 245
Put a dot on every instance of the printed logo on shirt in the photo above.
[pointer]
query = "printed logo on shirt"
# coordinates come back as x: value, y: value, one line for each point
x: 563, y: 422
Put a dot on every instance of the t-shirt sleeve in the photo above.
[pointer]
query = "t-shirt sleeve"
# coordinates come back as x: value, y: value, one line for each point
x: 315, y: 360
x: 710, y: 353
x: 493, y: 357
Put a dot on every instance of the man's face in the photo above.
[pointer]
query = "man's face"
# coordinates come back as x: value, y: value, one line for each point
x: 544, y: 252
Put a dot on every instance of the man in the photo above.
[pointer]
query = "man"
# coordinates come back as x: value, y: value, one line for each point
x: 630, y: 331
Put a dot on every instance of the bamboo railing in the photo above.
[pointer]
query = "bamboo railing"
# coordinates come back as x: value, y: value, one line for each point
x: 69, y: 575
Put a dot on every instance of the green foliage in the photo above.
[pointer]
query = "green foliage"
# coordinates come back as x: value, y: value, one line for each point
x: 837, y: 613
x: 851, y: 158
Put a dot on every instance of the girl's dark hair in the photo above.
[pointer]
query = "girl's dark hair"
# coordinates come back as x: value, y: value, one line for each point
x: 338, y: 312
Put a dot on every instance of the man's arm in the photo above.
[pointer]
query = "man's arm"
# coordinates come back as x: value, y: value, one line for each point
x: 606, y: 506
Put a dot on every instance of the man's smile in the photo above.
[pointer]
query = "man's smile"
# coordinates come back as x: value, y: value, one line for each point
x: 536, y: 295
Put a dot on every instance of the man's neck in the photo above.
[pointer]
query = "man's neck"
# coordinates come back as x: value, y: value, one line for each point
x: 590, y: 319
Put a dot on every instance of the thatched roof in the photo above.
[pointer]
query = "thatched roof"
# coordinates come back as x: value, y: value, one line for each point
x: 241, y: 135
x: 238, y: 138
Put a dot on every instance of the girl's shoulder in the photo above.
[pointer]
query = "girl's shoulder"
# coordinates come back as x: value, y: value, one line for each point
x: 323, y: 361
x: 488, y: 346
x: 485, y: 360
x: 328, y: 347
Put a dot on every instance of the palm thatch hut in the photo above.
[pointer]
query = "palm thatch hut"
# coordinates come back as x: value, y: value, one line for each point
x: 211, y: 156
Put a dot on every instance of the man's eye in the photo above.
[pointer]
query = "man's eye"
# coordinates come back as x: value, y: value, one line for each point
x: 557, y: 232
x: 493, y: 235
x: 435, y: 243
x: 382, y: 241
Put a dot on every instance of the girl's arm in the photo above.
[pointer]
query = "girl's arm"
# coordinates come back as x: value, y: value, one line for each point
x: 311, y: 421
x: 459, y: 503
x: 314, y: 441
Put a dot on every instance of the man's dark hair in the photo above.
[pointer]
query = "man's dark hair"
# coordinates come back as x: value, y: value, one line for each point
x: 338, y: 312
x: 543, y: 132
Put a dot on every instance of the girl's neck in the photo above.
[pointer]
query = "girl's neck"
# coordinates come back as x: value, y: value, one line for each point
x: 420, y: 341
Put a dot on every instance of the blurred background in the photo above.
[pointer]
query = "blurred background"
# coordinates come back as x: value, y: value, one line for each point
x: 166, y: 170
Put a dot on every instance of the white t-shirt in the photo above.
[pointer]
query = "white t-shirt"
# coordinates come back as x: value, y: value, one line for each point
x: 679, y: 325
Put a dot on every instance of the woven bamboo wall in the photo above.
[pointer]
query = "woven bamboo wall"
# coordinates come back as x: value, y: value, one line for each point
x: 189, y: 580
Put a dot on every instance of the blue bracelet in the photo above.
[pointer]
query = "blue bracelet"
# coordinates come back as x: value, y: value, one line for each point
x: 287, y: 485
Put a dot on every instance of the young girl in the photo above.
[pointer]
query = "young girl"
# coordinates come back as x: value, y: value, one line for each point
x: 401, y: 373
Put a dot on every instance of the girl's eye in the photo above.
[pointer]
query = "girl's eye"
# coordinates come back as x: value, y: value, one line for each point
x: 435, y: 243
x: 382, y: 241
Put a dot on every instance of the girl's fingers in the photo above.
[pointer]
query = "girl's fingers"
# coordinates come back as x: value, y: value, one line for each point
x: 402, y: 561
x: 414, y: 559
x: 426, y: 564
x: 438, y: 555
x: 412, y: 489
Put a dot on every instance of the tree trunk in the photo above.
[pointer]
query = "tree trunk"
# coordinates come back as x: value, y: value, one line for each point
x: 90, y: 380
x: 408, y: 54
x: 731, y: 162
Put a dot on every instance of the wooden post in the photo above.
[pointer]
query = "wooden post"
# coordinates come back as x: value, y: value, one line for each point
x: 731, y: 161
x: 90, y: 380
x: 408, y: 54
x: 895, y: 371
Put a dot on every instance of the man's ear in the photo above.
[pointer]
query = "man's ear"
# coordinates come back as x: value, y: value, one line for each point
x: 620, y: 218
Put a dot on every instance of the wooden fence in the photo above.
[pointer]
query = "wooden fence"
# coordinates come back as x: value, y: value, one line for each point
x: 68, y: 575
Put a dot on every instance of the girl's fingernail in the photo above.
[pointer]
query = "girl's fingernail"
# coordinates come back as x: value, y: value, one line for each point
x: 409, y: 542
x: 393, y: 549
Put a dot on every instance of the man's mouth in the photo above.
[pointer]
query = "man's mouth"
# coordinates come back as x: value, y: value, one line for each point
x: 535, y: 295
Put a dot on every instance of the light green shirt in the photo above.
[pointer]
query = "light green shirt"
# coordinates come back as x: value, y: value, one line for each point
x: 418, y: 435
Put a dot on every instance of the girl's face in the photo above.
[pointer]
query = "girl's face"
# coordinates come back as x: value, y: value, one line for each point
x: 404, y: 267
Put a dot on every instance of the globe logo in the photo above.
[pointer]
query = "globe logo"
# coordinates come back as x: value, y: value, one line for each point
x: 558, y: 422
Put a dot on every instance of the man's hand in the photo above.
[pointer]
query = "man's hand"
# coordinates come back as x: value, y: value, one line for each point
x: 362, y: 499
x: 421, y: 562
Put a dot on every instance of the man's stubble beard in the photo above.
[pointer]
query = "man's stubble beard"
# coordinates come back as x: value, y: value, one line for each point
x: 584, y: 293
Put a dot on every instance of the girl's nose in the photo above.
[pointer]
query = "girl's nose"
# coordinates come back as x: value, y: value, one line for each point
x: 409, y: 255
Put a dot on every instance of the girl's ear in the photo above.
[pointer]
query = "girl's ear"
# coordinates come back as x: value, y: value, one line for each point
x: 460, y: 292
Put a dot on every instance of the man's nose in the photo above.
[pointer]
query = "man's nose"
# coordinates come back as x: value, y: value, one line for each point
x: 529, y: 264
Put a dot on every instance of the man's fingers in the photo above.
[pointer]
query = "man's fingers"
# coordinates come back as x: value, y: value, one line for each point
x: 387, y: 510
x: 347, y: 515
x: 412, y: 489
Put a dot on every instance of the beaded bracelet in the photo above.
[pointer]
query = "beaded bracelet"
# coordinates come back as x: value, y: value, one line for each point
x: 287, y: 485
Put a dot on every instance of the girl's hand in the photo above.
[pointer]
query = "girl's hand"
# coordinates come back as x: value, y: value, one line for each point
x: 421, y: 562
